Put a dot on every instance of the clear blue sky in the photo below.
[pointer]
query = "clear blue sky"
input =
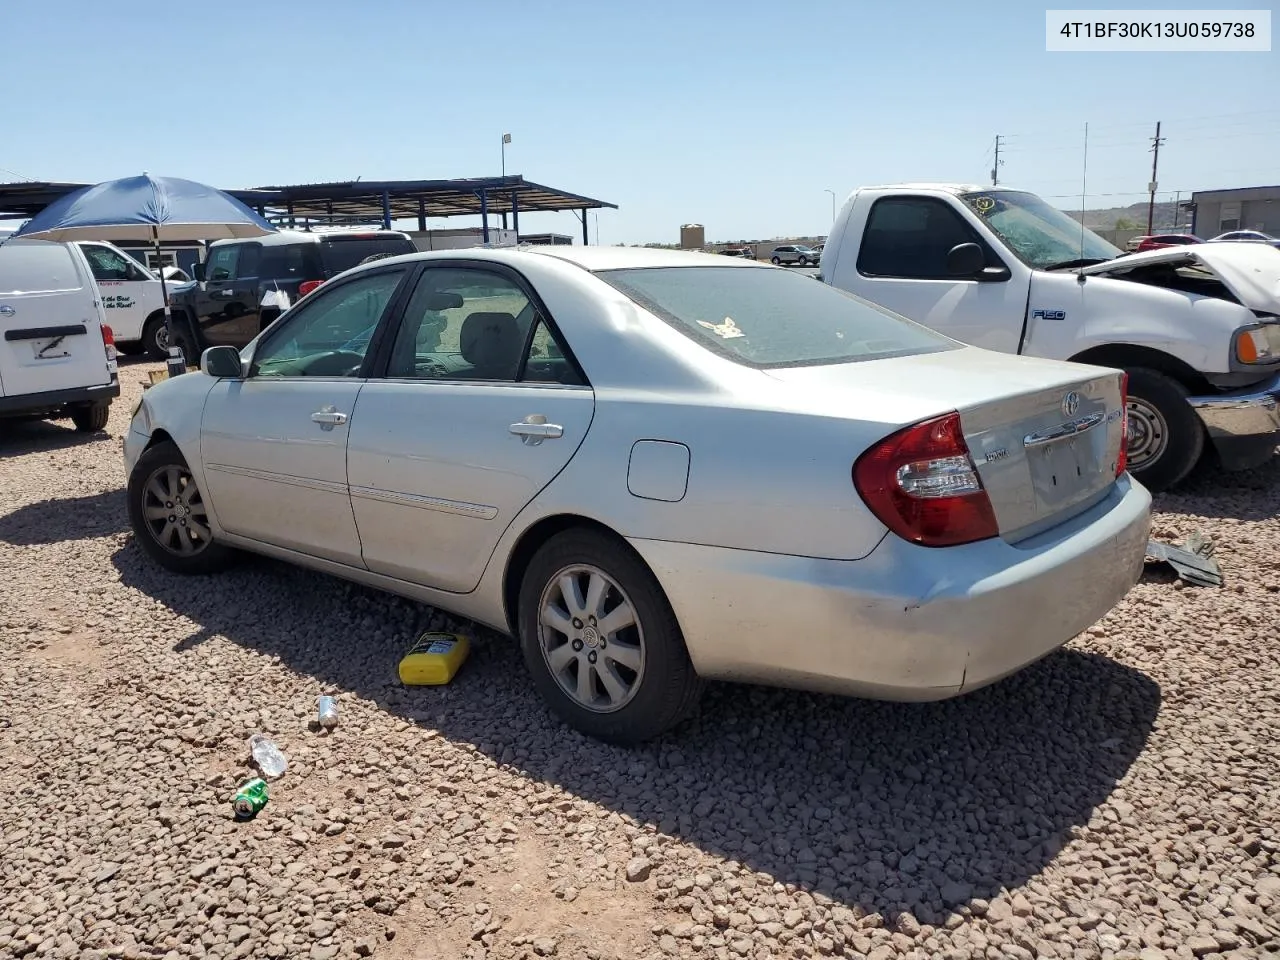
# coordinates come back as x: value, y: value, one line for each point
x: 736, y: 115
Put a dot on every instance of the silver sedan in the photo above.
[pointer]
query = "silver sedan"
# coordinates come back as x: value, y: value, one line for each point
x: 655, y: 468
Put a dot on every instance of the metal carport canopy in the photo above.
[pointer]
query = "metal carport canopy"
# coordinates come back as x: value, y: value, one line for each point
x: 413, y: 199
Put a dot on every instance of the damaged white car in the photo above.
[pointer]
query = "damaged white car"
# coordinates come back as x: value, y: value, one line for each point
x: 1197, y: 328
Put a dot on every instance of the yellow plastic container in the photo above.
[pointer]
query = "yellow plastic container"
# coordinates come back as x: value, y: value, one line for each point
x: 434, y: 659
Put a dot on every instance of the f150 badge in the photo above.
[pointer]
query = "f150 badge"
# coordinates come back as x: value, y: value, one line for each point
x: 1048, y: 314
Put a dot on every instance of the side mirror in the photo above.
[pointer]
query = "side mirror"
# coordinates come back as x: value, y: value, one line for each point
x: 197, y: 271
x: 222, y: 363
x: 965, y: 260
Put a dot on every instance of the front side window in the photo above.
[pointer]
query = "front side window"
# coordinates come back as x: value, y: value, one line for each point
x: 474, y: 324
x: 772, y: 318
x: 329, y: 336
x: 106, y: 264
x: 1040, y: 235
x: 910, y: 237
x: 222, y: 262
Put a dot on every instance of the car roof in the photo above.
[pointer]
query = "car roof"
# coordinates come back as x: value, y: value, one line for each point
x: 620, y: 258
x: 283, y: 237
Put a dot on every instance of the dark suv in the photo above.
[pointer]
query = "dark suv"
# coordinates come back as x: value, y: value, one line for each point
x: 235, y: 294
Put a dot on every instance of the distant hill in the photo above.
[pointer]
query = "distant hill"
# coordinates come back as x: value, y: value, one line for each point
x: 1136, y: 214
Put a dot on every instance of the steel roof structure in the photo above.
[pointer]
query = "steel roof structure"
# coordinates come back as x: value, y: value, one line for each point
x: 360, y: 201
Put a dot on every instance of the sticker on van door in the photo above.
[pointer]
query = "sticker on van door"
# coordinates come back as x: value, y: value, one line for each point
x: 114, y: 301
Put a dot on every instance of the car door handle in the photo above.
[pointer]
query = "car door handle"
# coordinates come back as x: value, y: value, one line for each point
x: 329, y: 417
x: 534, y: 429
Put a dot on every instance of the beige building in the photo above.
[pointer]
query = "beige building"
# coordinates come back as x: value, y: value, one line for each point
x: 693, y: 236
x: 1244, y: 208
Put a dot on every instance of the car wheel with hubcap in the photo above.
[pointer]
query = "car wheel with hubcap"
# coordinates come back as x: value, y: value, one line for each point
x: 775, y: 261
x: 804, y: 261
x: 601, y: 641
x: 169, y: 516
x: 1166, y: 438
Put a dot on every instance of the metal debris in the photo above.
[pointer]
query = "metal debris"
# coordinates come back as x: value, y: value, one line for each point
x: 1192, y: 561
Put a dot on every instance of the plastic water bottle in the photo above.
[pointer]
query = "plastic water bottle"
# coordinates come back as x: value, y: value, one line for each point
x: 327, y: 712
x: 267, y: 756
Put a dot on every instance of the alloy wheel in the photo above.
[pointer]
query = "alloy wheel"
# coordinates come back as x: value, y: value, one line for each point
x: 174, y: 511
x: 591, y: 638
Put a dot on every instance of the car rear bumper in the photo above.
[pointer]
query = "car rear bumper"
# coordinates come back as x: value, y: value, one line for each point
x: 906, y: 622
x: 1243, y: 425
x: 54, y: 401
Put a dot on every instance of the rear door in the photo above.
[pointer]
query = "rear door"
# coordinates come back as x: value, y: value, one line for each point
x: 479, y: 409
x: 50, y: 320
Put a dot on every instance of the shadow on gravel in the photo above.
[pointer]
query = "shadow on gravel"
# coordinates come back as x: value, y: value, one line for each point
x: 886, y: 806
x: 20, y: 437
x: 73, y: 518
x: 1212, y: 492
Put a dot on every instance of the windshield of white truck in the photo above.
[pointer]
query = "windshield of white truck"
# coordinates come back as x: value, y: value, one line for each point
x: 764, y: 317
x: 1041, y: 235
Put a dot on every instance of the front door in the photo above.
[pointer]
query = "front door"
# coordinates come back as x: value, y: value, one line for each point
x: 478, y: 410
x: 274, y: 445
x: 123, y: 287
x: 226, y: 303
x: 902, y: 265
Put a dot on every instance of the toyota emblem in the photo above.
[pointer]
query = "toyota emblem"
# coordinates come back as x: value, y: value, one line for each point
x: 1070, y: 403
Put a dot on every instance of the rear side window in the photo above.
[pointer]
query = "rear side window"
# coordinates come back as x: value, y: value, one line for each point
x: 294, y: 261
x: 37, y: 268
x: 772, y: 318
x: 342, y: 254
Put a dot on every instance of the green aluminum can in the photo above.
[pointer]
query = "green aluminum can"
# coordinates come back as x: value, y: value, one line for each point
x: 250, y: 798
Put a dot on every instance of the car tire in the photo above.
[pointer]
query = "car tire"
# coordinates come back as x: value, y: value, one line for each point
x: 155, y: 338
x: 653, y: 688
x: 91, y: 417
x: 775, y: 261
x: 804, y: 261
x: 163, y: 470
x: 1166, y: 438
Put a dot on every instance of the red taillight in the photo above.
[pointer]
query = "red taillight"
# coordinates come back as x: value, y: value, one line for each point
x: 307, y: 286
x: 922, y: 484
x: 1122, y: 458
x: 109, y: 342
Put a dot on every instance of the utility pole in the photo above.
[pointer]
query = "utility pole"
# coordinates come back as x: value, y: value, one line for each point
x: 1151, y: 187
x: 995, y: 167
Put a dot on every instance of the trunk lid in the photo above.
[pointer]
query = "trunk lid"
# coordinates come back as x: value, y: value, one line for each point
x: 1044, y: 435
x: 1251, y: 271
x: 50, y: 320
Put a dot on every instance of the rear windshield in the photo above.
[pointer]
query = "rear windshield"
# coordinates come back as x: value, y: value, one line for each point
x: 37, y: 268
x: 341, y: 253
x: 764, y: 317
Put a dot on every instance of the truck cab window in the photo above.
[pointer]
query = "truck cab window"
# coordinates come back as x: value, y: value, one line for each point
x: 909, y: 237
x: 222, y: 262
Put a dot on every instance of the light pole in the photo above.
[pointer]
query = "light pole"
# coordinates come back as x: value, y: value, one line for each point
x: 833, y: 204
x: 506, y: 138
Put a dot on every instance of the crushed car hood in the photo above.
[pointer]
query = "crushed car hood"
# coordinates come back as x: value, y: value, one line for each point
x: 1251, y: 271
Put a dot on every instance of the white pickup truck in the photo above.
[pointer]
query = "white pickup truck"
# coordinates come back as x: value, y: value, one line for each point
x: 1196, y: 327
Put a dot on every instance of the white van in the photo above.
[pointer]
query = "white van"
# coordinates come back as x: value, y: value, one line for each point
x: 132, y: 298
x: 57, y: 354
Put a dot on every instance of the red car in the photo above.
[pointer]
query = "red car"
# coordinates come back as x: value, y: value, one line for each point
x: 1159, y: 241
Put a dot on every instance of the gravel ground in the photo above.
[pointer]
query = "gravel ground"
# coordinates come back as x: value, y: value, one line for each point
x: 1117, y: 800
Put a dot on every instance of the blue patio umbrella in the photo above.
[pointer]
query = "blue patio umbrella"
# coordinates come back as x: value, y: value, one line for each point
x: 147, y: 208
